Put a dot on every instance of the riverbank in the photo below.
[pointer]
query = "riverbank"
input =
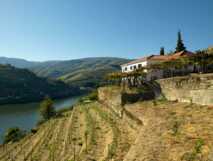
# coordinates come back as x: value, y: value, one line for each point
x: 26, y: 115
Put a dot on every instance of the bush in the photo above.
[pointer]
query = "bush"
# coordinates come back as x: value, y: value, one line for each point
x: 34, y: 130
x: 13, y: 135
x: 93, y: 96
x: 47, y: 109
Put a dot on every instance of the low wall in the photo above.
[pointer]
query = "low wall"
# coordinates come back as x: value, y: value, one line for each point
x: 196, y: 88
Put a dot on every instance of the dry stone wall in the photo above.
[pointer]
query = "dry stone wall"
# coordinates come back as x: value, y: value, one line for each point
x: 196, y: 88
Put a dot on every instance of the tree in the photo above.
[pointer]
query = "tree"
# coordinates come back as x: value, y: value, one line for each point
x: 47, y: 109
x: 162, y: 51
x: 180, y: 44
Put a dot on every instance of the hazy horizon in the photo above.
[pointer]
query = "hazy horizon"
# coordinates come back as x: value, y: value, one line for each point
x: 64, y: 59
x: 72, y: 29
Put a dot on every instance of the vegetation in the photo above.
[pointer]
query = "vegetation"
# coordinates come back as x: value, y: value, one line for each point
x: 193, y: 155
x: 180, y: 44
x: 47, y: 109
x: 162, y: 51
x: 133, y: 79
x: 201, y: 61
x: 93, y: 96
x: 13, y: 135
x: 21, y: 85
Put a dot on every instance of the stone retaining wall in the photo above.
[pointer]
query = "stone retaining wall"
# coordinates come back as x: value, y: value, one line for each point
x: 196, y: 88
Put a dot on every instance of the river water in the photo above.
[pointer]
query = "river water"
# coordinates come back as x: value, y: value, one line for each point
x: 26, y: 115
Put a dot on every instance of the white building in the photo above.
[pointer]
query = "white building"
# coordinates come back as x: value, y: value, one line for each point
x: 153, y: 59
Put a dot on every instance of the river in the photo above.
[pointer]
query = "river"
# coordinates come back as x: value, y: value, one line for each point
x: 26, y: 115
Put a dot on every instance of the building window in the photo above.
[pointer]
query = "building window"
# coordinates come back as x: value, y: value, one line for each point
x: 131, y: 67
x: 125, y: 69
x: 135, y: 67
x: 139, y: 65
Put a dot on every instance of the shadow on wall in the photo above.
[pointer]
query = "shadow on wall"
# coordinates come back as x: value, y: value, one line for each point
x: 147, y: 91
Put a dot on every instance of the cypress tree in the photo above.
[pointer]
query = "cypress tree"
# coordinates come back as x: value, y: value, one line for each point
x: 180, y: 44
x: 162, y: 51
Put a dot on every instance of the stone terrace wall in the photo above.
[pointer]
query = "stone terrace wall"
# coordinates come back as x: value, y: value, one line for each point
x: 196, y: 88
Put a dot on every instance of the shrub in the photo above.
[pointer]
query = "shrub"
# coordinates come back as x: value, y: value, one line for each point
x: 175, y: 127
x: 198, y: 145
x: 33, y: 130
x: 13, y: 135
x: 192, y: 156
x: 93, y: 96
x: 47, y: 109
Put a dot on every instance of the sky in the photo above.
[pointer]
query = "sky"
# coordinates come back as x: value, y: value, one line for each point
x: 42, y: 30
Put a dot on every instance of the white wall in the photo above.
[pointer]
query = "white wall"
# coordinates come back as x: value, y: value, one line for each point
x: 143, y: 64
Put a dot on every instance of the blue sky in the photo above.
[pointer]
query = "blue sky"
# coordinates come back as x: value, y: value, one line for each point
x: 69, y: 29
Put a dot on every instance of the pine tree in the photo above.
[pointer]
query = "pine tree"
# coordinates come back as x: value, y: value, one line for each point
x: 180, y: 44
x: 162, y: 51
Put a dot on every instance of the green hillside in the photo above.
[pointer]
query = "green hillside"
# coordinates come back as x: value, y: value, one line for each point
x: 21, y: 85
x: 85, y: 72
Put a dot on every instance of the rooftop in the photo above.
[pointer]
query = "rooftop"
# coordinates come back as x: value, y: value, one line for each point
x: 160, y: 57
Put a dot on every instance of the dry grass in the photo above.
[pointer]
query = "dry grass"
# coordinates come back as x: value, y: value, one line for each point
x: 172, y: 132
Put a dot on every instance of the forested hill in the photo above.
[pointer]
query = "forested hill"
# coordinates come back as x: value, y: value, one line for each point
x: 21, y: 85
x: 86, y: 72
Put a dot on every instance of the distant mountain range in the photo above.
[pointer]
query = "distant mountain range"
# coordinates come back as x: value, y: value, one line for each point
x: 21, y: 85
x: 87, y: 72
x: 19, y: 63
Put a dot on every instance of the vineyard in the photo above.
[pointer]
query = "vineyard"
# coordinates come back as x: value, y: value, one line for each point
x: 88, y: 132
x: 149, y: 130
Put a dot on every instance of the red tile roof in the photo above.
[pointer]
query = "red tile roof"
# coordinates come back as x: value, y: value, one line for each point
x: 161, y: 57
x: 136, y: 61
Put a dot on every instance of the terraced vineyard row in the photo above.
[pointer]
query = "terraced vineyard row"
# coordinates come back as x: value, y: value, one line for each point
x: 88, y: 132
